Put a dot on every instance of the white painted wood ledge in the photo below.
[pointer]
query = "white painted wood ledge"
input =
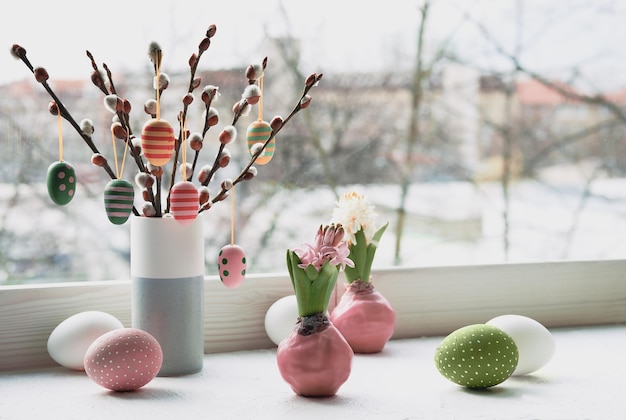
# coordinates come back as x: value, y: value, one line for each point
x: 584, y: 380
x: 428, y: 301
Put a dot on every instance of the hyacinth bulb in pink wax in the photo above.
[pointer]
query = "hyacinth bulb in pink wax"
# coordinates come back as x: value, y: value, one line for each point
x: 363, y: 315
x: 315, y: 359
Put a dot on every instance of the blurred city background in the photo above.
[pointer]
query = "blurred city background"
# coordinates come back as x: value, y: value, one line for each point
x: 481, y: 134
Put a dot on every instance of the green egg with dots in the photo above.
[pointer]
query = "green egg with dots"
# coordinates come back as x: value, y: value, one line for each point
x: 61, y: 182
x: 477, y: 356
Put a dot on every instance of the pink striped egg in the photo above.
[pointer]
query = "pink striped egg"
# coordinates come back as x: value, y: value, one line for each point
x: 157, y: 141
x: 184, y: 202
x: 232, y: 265
x: 119, y: 196
x: 259, y: 132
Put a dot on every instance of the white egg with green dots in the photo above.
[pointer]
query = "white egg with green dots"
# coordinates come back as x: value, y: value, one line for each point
x: 477, y: 356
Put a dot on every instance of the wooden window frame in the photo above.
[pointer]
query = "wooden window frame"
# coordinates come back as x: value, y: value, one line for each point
x: 428, y: 301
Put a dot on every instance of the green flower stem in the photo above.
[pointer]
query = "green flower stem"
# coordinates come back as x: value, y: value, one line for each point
x: 312, y: 288
x: 362, y: 254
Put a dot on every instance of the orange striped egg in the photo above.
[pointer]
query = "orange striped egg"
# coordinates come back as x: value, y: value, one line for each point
x: 184, y: 202
x: 259, y: 132
x: 157, y: 141
x: 119, y: 196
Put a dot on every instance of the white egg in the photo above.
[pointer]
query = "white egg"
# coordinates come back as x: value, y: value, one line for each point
x: 69, y: 341
x: 535, y: 343
x: 281, y: 318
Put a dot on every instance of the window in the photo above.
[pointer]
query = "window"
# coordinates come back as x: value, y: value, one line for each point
x: 506, y: 147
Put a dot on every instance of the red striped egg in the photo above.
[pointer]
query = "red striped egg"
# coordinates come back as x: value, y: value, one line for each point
x: 157, y: 141
x: 61, y: 182
x: 232, y: 265
x: 119, y: 196
x: 184, y: 202
x: 259, y: 132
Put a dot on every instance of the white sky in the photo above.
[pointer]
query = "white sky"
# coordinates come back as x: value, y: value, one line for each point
x: 337, y: 35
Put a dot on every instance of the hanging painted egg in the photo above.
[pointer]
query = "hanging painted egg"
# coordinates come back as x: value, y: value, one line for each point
x: 119, y: 196
x: 61, y: 182
x: 232, y: 265
x: 157, y: 141
x: 184, y: 202
x: 259, y: 132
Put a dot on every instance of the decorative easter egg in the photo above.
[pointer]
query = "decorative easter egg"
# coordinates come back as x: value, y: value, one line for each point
x: 232, y: 265
x: 535, y: 343
x: 184, y: 202
x: 119, y: 196
x: 157, y: 141
x: 61, y: 182
x: 477, y: 356
x: 280, y: 318
x: 259, y: 132
x: 69, y: 341
x: 124, y: 359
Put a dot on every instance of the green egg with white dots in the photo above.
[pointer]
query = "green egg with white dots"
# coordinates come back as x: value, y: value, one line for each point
x: 477, y: 356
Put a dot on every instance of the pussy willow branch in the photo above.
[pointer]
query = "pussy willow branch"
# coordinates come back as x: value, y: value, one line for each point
x: 215, y: 167
x: 243, y: 104
x: 312, y: 81
x: 183, y: 116
x: 123, y: 117
x: 20, y: 53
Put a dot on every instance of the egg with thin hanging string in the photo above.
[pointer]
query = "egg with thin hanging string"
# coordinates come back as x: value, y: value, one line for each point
x: 61, y: 182
x: 119, y: 196
x: 184, y: 202
x: 232, y: 265
x: 157, y: 141
x: 258, y: 133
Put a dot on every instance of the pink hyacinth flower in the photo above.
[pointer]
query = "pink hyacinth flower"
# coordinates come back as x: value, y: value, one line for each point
x: 329, y: 246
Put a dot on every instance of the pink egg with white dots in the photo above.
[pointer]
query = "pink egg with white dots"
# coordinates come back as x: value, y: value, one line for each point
x: 232, y: 265
x: 124, y: 359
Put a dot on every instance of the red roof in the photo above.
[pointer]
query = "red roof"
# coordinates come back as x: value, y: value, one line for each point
x: 533, y: 92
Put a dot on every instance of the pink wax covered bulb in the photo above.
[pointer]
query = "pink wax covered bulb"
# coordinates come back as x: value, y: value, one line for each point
x: 232, y: 265
x: 124, y: 359
x: 185, y: 202
x: 363, y: 315
x: 315, y: 359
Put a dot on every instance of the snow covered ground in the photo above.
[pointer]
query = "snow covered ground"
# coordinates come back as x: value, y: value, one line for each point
x: 447, y: 224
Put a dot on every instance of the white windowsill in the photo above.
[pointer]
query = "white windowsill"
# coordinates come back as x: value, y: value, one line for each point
x: 584, y: 380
